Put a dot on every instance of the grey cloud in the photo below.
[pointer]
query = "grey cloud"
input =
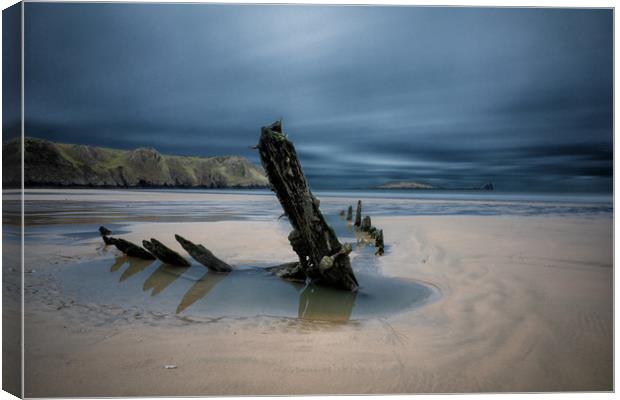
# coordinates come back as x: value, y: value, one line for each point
x: 456, y: 96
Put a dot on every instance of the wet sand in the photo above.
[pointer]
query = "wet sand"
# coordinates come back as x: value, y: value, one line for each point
x: 525, y: 305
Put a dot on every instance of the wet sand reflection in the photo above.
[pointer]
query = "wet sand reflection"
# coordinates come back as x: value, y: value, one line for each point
x: 326, y: 304
x: 314, y: 302
x: 118, y: 263
x: 200, y: 289
x: 136, y: 265
x: 162, y: 278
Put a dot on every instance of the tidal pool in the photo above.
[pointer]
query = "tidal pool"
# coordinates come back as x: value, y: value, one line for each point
x: 196, y: 292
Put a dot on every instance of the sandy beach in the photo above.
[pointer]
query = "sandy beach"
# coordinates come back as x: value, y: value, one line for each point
x: 524, y: 304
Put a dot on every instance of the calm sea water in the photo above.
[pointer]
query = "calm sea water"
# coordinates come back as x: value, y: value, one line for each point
x: 199, y: 205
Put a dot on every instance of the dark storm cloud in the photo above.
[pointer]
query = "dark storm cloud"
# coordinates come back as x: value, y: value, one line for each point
x: 11, y: 71
x: 456, y: 97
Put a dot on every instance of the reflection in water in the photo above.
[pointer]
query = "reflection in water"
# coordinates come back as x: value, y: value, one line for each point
x: 136, y: 265
x: 322, y: 303
x: 162, y: 278
x: 195, y: 292
x: 315, y: 302
x: 200, y: 289
x: 118, y: 263
x: 349, y: 227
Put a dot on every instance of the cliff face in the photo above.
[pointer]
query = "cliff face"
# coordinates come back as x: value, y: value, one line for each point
x: 59, y: 164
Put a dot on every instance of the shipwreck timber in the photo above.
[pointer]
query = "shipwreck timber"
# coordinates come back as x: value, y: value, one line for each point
x: 165, y: 254
x: 130, y: 249
x: 322, y: 258
x: 203, y: 255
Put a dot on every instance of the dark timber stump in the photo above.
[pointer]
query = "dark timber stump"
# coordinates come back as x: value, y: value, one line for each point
x: 379, y: 243
x: 358, y: 214
x: 164, y: 253
x: 322, y: 258
x: 366, y: 224
x: 203, y: 255
x: 132, y: 250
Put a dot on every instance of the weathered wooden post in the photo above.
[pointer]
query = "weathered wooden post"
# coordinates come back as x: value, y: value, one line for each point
x: 164, y: 253
x: 379, y: 243
x: 203, y: 255
x: 322, y: 258
x: 350, y: 213
x: 131, y: 249
x: 358, y: 214
x: 366, y: 224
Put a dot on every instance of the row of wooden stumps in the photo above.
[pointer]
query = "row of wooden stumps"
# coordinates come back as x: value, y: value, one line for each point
x: 154, y: 249
x: 365, y: 225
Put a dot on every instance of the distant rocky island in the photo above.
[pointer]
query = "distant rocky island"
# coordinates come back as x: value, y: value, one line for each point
x: 50, y: 164
x: 406, y: 185
x: 412, y: 185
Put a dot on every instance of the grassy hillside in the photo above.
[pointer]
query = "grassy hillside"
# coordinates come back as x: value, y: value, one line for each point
x: 59, y: 164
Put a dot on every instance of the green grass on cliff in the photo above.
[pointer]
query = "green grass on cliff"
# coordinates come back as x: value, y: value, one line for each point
x: 50, y: 163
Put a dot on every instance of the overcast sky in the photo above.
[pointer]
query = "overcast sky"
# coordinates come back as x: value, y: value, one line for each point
x: 450, y: 96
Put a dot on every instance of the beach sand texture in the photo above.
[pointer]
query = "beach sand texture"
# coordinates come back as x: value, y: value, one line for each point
x: 525, y: 304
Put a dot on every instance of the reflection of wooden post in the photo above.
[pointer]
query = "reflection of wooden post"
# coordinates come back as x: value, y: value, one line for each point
x: 321, y: 256
x: 162, y: 278
x: 358, y: 214
x: 350, y: 213
x: 327, y: 304
x: 135, y: 266
x: 200, y: 289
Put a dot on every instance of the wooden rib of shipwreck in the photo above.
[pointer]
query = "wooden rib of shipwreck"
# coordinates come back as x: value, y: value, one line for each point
x: 132, y: 250
x: 157, y: 250
x: 379, y: 243
x: 322, y: 258
x: 203, y: 255
x: 358, y: 214
x: 366, y: 224
x: 164, y: 253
